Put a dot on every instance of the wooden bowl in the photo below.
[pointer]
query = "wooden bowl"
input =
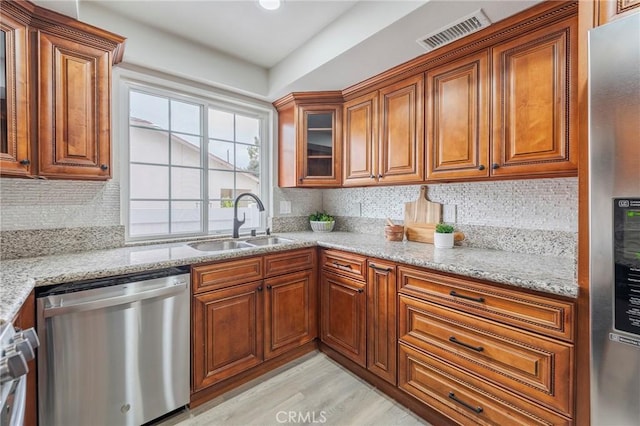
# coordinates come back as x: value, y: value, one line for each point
x: 394, y: 233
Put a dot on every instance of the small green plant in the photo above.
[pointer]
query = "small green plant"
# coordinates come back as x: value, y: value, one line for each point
x: 320, y: 217
x: 443, y: 228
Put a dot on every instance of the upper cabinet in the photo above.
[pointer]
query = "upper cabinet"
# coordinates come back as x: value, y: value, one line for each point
x: 309, y: 133
x: 500, y: 103
x: 384, y: 135
x: 534, y: 106
x: 15, y: 149
x: 609, y: 10
x: 457, y: 101
x: 62, y: 74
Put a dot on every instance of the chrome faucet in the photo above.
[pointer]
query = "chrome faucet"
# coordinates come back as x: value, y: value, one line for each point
x: 238, y: 223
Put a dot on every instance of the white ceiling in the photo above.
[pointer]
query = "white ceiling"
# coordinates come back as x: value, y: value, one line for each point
x: 305, y: 45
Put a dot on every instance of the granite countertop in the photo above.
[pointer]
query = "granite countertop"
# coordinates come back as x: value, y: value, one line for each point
x: 554, y: 275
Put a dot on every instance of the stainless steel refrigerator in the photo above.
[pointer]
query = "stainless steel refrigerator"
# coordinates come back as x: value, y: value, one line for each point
x: 614, y: 191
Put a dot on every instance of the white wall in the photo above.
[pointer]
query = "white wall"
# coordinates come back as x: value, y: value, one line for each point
x: 148, y: 47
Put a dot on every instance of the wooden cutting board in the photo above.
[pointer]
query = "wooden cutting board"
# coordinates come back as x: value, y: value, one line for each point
x: 424, y: 233
x: 421, y: 217
x: 422, y: 211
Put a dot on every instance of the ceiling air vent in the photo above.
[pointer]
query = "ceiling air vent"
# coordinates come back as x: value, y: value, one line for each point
x: 461, y: 28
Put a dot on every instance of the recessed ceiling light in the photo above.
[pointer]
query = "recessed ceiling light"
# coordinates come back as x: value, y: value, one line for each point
x: 269, y: 4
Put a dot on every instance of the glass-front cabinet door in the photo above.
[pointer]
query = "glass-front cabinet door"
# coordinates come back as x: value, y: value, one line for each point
x: 319, y: 139
x: 15, y: 155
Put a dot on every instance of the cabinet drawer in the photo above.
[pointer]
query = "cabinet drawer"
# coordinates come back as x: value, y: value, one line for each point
x: 348, y: 264
x: 535, y: 313
x: 288, y: 261
x: 224, y: 274
x: 465, y: 398
x: 534, y: 367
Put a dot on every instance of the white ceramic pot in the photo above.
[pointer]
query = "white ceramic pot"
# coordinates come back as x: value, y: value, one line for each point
x: 443, y: 240
x: 322, y: 226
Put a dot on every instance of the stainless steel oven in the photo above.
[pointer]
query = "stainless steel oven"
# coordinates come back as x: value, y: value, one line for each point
x: 16, y: 349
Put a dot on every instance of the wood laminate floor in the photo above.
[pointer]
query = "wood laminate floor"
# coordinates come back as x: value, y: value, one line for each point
x: 314, y: 390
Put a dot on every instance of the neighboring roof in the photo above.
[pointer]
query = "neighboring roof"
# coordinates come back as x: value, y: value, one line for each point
x: 221, y: 163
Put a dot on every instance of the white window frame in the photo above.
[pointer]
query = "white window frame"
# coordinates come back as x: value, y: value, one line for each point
x: 128, y: 80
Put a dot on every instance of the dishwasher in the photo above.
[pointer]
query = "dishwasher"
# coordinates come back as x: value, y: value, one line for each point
x: 114, y: 351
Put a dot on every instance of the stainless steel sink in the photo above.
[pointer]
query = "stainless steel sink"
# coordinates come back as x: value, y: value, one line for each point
x: 268, y: 241
x: 236, y: 244
x: 220, y: 245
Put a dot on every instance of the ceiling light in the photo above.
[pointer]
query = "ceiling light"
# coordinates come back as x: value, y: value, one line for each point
x: 269, y: 4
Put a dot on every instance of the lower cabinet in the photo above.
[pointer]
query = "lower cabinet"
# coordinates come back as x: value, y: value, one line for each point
x: 381, y: 320
x: 290, y: 312
x: 359, y: 316
x: 238, y: 326
x: 464, y: 398
x: 343, y: 316
x: 474, y: 352
x: 227, y: 333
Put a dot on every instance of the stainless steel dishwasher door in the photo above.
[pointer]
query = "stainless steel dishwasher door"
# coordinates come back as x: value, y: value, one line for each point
x: 115, y: 355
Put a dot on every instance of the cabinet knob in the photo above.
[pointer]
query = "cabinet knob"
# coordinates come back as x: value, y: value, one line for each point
x: 300, y: 179
x: 259, y: 288
x: 268, y: 287
x: 380, y: 176
x: 372, y: 176
x: 104, y: 167
x: 495, y: 166
x: 360, y: 290
x: 481, y: 167
x: 25, y: 162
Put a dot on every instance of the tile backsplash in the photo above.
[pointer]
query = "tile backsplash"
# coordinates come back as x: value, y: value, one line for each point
x: 542, y: 204
x: 49, y: 204
x: 490, y: 213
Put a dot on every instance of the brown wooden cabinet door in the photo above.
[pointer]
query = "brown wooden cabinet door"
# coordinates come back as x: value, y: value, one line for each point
x: 319, y: 145
x: 401, y: 143
x: 74, y: 117
x: 15, y: 149
x: 360, y: 140
x: 227, y: 333
x: 458, y: 119
x: 609, y: 10
x: 534, y: 108
x: 343, y: 304
x: 290, y: 312
x: 381, y: 320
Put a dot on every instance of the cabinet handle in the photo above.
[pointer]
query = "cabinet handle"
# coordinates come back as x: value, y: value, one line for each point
x: 104, y: 167
x: 453, y: 396
x: 481, y: 167
x: 25, y: 162
x: 452, y: 339
x: 340, y: 265
x: 268, y: 287
x: 379, y: 268
x: 495, y: 166
x: 462, y: 296
x: 259, y: 288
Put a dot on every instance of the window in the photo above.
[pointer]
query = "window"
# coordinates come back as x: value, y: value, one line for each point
x: 188, y: 159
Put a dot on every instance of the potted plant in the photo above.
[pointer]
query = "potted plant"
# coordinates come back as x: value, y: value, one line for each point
x: 321, y: 222
x: 443, y: 237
